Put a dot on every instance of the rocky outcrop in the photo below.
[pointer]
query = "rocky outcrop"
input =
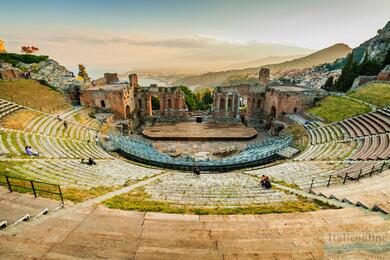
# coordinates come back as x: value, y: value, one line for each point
x: 52, y: 73
x: 2, y: 47
x: 375, y: 47
x: 7, y: 72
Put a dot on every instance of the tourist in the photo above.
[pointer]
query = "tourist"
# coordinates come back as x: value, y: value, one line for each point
x: 96, y: 139
x: 91, y: 161
x: 82, y: 161
x: 59, y: 118
x: 65, y: 124
x: 31, y: 152
x: 267, y: 183
x: 262, y: 181
x: 197, y: 171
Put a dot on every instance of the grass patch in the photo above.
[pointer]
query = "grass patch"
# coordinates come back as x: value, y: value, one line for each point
x: 300, y: 138
x: 333, y: 108
x: 289, y: 185
x: 33, y: 94
x: 83, y: 117
x: 375, y: 93
x: 80, y: 195
x: 139, y: 200
x: 18, y: 119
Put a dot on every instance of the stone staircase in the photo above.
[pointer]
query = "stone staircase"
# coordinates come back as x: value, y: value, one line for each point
x: 371, y: 193
x: 72, y: 174
x: 225, y: 190
x: 7, y: 107
x: 98, y: 232
x: 300, y: 174
x: 17, y: 207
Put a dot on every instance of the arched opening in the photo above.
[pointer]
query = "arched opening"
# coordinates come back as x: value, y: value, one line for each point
x: 259, y: 104
x: 139, y: 104
x: 127, y: 111
x: 243, y: 104
x: 155, y: 103
x: 222, y: 104
x: 272, y: 113
x: 102, y: 103
x: 295, y: 109
x: 169, y: 104
x: 230, y: 105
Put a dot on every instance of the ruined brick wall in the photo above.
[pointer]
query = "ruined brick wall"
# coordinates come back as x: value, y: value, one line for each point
x: 172, y: 101
x: 111, y: 78
x: 133, y: 80
x: 120, y: 101
x: 385, y: 76
x: 225, y: 104
x: 264, y: 77
x: 280, y: 102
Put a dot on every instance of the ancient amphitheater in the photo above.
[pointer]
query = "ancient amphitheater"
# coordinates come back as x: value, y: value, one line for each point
x: 342, y: 179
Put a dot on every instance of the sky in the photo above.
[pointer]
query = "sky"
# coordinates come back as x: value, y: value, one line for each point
x: 202, y: 35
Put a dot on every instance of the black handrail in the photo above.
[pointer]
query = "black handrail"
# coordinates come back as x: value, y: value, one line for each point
x: 348, y: 175
x: 31, y: 186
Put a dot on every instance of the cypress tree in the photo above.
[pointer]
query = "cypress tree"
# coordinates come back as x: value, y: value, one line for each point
x: 386, y: 61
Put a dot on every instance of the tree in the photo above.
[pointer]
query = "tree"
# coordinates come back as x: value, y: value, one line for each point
x: 29, y: 49
x: 348, y: 74
x: 208, y: 98
x: 83, y: 73
x: 369, y: 67
x: 328, y: 84
x: 386, y: 61
x: 190, y: 98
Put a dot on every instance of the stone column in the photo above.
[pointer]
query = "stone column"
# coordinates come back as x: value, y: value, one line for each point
x: 218, y: 102
x: 233, y: 105
x: 238, y: 104
x: 226, y: 102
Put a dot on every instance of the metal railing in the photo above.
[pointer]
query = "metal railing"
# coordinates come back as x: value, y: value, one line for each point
x: 349, y: 175
x: 23, y: 185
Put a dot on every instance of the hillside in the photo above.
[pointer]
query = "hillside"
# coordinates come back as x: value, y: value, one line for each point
x: 374, y: 92
x: 326, y: 55
x: 263, y: 61
x: 34, y: 94
x: 333, y: 108
x: 375, y: 47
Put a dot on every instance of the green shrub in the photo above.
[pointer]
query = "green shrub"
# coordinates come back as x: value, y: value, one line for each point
x: 14, y: 58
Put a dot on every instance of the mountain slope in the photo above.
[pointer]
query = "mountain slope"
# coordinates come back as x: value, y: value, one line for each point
x: 326, y: 55
x: 263, y: 61
x: 375, y: 47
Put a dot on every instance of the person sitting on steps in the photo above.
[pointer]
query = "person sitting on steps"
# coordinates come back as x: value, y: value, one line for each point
x: 31, y: 152
x: 265, y: 182
x: 197, y: 171
x: 91, y: 161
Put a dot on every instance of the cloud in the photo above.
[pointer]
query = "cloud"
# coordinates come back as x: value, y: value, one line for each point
x: 184, y: 43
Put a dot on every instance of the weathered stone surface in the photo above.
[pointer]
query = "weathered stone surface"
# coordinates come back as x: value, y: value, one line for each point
x: 7, y: 72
